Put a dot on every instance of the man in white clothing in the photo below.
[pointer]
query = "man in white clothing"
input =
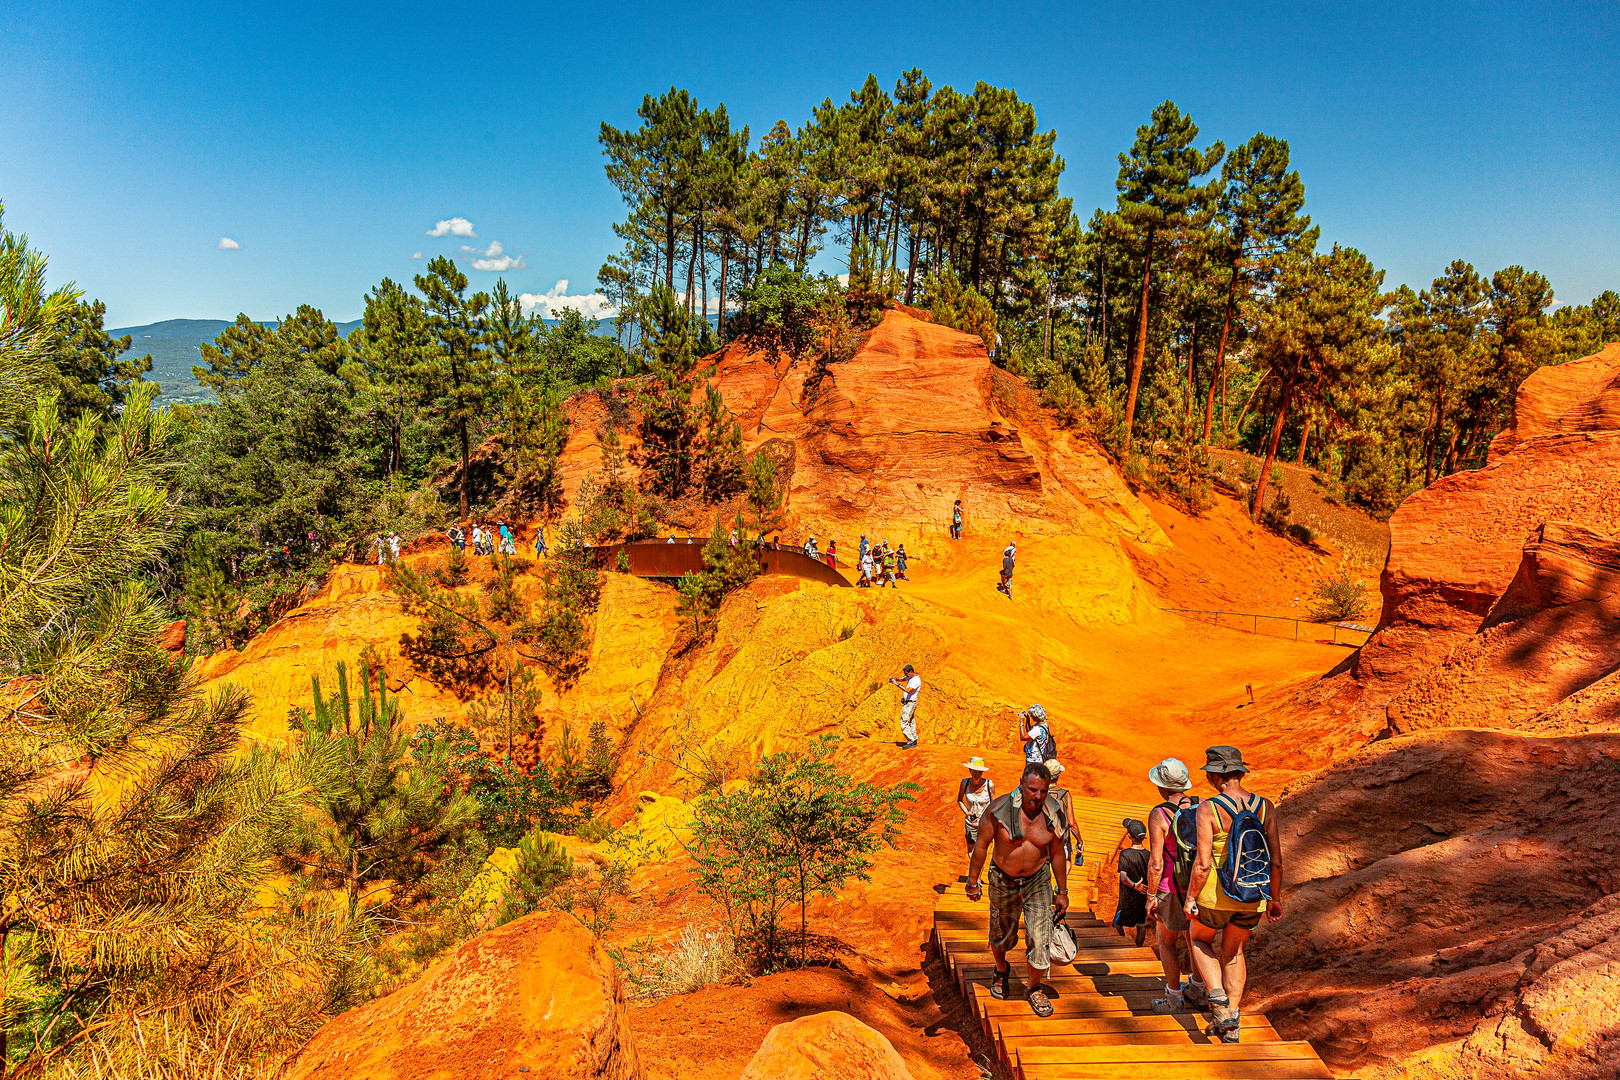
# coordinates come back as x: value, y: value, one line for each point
x: 910, y: 685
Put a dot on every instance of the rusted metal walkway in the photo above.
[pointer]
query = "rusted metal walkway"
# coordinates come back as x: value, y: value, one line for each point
x: 1102, y: 1025
x: 667, y: 561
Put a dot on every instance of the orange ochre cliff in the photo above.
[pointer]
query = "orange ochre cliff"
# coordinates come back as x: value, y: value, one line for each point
x: 1450, y: 821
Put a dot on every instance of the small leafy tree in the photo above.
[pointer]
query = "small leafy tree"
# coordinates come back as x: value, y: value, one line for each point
x: 393, y: 811
x: 779, y: 309
x: 801, y: 828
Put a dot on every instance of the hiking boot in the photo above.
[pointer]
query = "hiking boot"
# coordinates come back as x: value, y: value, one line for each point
x: 1197, y: 997
x: 912, y: 745
x: 1170, y: 1004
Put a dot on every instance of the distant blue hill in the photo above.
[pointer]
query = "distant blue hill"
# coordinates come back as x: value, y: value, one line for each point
x: 173, y: 344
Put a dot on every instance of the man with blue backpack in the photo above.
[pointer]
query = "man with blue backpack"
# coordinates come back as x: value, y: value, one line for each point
x: 1231, y: 884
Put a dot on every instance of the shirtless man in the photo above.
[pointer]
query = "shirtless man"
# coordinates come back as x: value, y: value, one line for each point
x: 1028, y: 833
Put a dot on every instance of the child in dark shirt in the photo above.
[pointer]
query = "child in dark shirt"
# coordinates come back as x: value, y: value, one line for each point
x: 1133, y: 888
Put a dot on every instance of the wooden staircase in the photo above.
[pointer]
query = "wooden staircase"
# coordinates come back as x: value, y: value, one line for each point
x: 1102, y: 1026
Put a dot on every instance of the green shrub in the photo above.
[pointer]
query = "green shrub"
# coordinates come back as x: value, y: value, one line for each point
x: 1250, y: 473
x: 595, y: 831
x: 541, y: 866
x: 1340, y: 596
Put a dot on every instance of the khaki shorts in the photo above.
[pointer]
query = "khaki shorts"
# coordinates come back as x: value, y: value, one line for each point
x: 1171, y: 913
x: 1030, y: 897
x: 1218, y: 920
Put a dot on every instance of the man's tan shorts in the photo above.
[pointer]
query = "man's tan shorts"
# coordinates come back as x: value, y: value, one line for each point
x: 1030, y: 897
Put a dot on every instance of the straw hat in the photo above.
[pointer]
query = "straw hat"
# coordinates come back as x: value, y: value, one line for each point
x: 975, y: 764
x: 1055, y: 767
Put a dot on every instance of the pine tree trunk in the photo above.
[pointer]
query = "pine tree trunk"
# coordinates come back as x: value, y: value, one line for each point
x: 1046, y: 336
x: 703, y: 267
x: 1219, y: 374
x: 691, y: 272
x: 1140, y: 351
x: 1243, y: 412
x: 1304, y: 441
x: 1271, y: 446
x: 725, y: 251
x: 911, y: 267
x: 669, y: 247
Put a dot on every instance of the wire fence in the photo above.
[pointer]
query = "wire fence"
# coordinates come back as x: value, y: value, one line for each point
x: 1352, y: 635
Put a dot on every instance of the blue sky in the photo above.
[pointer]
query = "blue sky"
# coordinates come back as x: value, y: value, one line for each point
x: 327, y: 139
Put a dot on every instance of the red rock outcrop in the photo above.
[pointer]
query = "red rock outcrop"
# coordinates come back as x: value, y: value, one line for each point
x: 536, y: 995
x: 917, y: 418
x: 1552, y: 633
x: 825, y: 1046
x: 1457, y: 545
x: 173, y: 639
x: 1452, y: 909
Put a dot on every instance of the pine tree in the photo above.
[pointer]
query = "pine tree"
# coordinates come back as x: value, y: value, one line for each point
x: 393, y: 814
x: 1157, y: 195
x: 670, y: 423
x: 456, y: 322
x: 1315, y: 334
x: 1260, y: 220
x: 135, y: 834
x: 90, y: 375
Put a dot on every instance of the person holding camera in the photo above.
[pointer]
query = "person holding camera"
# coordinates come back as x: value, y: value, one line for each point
x: 910, y: 685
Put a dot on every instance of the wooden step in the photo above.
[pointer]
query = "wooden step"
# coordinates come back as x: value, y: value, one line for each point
x: 1102, y: 1025
x: 1127, y: 1028
x: 1224, y: 1060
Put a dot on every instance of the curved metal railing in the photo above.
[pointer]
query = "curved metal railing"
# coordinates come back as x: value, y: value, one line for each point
x: 667, y: 561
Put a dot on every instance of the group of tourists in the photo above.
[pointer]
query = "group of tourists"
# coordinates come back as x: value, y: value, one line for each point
x: 387, y: 547
x: 881, y: 565
x: 491, y: 541
x: 1198, y: 874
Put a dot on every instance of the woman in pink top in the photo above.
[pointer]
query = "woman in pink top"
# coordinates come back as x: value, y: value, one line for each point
x: 1171, y: 778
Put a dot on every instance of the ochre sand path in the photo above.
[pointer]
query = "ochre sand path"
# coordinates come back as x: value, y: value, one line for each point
x: 1102, y: 1024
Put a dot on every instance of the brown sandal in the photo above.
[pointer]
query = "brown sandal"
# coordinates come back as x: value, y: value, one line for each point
x: 1039, y: 1002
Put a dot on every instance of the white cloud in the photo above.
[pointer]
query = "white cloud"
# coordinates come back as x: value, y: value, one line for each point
x: 494, y: 258
x: 551, y: 304
x: 417, y: 255
x: 456, y: 226
x: 225, y: 243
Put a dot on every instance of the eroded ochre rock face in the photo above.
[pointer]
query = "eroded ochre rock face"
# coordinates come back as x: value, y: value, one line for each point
x: 536, y: 994
x: 1457, y: 545
x: 826, y: 1046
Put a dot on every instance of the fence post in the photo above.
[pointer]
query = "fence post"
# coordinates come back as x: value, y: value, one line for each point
x: 1296, y: 629
x: 1257, y: 624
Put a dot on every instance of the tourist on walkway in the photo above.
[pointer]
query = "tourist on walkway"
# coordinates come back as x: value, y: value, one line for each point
x: 1131, y: 913
x: 956, y: 520
x: 508, y: 546
x: 867, y: 570
x: 832, y: 554
x: 900, y: 563
x: 539, y: 541
x: 458, y: 539
x: 1059, y: 794
x: 910, y: 684
x: 810, y: 548
x: 1037, y: 735
x: 382, y: 549
x: 393, y: 547
x: 888, y: 567
x: 1027, y: 832
x: 1008, y: 554
x: 1226, y: 898
x: 865, y: 547
x: 973, y: 796
x: 1165, y: 906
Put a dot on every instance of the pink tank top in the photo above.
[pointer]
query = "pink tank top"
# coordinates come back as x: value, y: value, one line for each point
x: 1166, y: 884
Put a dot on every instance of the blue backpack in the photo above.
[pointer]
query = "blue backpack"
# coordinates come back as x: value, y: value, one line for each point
x: 1245, y: 873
